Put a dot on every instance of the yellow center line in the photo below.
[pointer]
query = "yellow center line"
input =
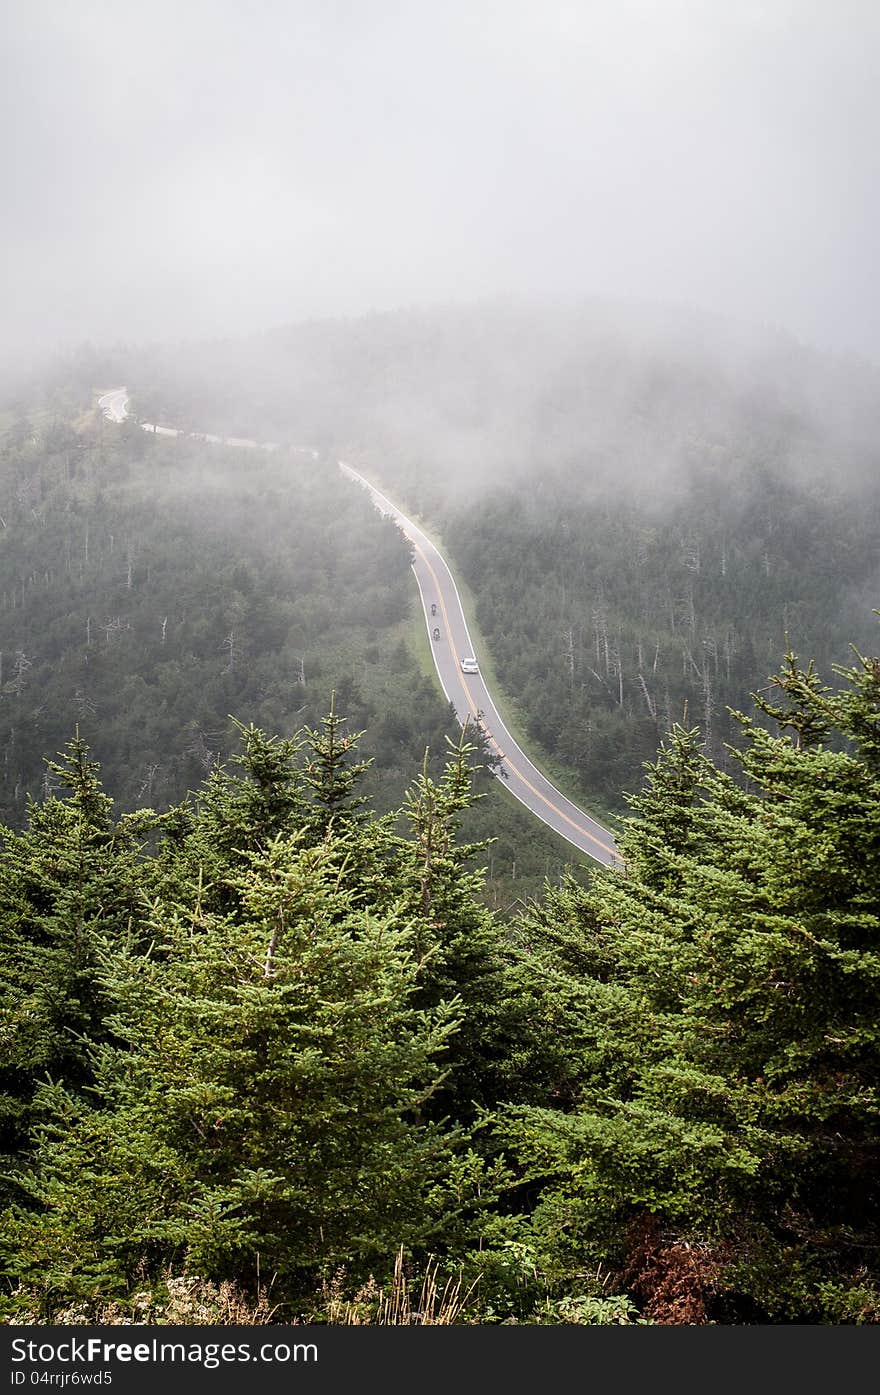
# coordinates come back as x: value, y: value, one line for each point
x: 612, y: 852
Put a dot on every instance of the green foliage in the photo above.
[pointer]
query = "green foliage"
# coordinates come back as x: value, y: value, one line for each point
x: 457, y: 934
x: 282, y: 1038
x: 252, y: 1089
x: 331, y: 776
x: 69, y: 886
x: 720, y: 1053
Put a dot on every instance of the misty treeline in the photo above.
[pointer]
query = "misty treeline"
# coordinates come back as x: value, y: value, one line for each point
x: 610, y: 624
x: 148, y: 588
x: 648, y: 504
x: 267, y: 1056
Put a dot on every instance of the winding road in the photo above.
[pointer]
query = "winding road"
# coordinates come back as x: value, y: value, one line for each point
x: 450, y: 643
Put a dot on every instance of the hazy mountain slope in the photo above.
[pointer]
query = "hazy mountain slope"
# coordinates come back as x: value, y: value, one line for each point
x: 149, y: 588
x: 646, y: 503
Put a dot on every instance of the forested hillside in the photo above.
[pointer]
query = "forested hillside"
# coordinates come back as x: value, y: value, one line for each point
x: 150, y: 587
x: 267, y: 1056
x: 611, y: 620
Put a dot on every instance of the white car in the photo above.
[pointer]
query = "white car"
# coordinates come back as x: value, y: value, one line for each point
x: 469, y: 666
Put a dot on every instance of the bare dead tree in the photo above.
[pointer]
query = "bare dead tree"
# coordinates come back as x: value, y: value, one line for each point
x: 600, y: 628
x: 20, y: 669
x: 688, y: 658
x: 568, y: 640
x: 690, y: 554
x: 113, y: 627
x: 708, y: 704
x: 649, y: 702
x: 82, y: 704
x: 690, y: 614
x: 198, y: 747
x: 151, y: 770
x: 617, y: 671
x: 597, y: 675
x: 49, y: 783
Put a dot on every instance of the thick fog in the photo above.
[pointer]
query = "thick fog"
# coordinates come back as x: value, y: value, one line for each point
x: 212, y: 167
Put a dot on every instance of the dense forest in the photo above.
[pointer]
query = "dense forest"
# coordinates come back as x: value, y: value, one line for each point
x: 150, y: 587
x: 611, y: 621
x: 267, y: 1056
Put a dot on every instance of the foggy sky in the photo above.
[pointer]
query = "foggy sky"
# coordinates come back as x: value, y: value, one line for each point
x: 210, y: 168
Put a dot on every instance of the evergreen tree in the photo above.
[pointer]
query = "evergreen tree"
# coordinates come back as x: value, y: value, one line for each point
x: 234, y: 816
x: 70, y: 886
x: 461, y: 940
x: 722, y: 1144
x: 331, y: 773
x: 260, y: 1086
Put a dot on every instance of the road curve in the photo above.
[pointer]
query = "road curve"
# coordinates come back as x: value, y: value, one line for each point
x: 467, y: 693
x: 470, y: 697
x: 114, y: 405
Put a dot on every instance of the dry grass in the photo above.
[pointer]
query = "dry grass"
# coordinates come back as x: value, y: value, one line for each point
x: 187, y: 1300
x: 374, y: 1306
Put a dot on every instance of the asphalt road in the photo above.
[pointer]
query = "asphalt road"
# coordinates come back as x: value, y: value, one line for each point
x: 114, y: 404
x: 468, y: 694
